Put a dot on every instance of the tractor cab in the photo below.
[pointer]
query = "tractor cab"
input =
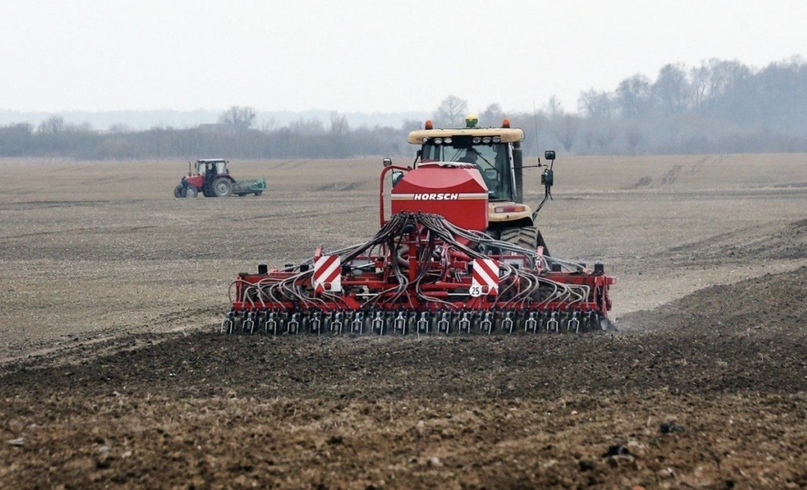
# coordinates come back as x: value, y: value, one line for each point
x: 493, y: 159
x: 492, y: 155
x: 496, y: 153
x: 211, y: 168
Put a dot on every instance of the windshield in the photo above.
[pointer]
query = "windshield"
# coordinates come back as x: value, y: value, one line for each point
x: 492, y: 160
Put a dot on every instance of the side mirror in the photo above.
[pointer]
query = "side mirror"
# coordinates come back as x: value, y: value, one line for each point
x: 549, y: 155
x: 397, y: 175
x: 387, y: 162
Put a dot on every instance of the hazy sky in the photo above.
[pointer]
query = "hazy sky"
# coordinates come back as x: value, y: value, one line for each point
x: 369, y: 56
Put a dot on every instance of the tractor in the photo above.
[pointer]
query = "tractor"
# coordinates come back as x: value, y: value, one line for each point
x: 497, y: 154
x: 458, y: 253
x: 212, y: 178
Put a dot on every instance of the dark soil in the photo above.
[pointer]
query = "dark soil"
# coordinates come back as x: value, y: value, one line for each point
x: 706, y: 392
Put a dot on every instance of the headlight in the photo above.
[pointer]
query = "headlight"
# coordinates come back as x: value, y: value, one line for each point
x: 438, y: 141
x: 477, y: 140
x: 510, y: 208
x: 486, y: 140
x: 497, y: 139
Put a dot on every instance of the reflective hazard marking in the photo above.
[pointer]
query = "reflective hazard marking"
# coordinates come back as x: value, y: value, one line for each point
x: 326, y: 274
x: 485, y: 277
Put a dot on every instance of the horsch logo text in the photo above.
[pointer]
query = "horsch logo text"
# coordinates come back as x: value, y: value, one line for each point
x: 436, y: 196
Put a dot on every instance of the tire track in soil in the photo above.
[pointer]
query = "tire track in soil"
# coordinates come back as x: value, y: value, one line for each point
x: 74, y: 348
x: 671, y: 176
x: 341, y: 186
x: 291, y: 164
x: 772, y: 242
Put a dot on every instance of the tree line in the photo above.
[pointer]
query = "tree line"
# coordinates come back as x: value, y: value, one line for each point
x: 717, y: 107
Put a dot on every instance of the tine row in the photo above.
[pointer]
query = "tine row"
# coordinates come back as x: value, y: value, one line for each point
x: 407, y: 322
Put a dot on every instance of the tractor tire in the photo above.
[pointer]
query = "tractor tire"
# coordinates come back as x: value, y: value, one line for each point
x: 526, y: 237
x: 222, y: 187
x: 191, y: 192
x: 178, y: 191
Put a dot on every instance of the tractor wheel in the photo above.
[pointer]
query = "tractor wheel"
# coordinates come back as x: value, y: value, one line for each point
x: 191, y: 192
x: 222, y: 187
x: 178, y: 191
x: 527, y: 237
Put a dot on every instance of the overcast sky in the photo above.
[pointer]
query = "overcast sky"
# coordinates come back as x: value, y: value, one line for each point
x: 368, y: 56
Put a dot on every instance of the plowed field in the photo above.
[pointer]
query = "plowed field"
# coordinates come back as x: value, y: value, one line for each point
x: 113, y: 375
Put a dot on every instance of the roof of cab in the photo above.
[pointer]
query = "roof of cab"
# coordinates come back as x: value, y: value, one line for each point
x: 508, y: 135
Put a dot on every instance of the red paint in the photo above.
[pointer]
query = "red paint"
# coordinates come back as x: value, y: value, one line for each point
x: 446, y: 191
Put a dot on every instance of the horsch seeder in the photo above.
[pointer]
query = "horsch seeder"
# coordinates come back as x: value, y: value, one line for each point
x: 460, y: 253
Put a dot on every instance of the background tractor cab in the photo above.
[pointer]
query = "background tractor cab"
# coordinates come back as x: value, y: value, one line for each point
x: 496, y: 153
x: 215, y: 177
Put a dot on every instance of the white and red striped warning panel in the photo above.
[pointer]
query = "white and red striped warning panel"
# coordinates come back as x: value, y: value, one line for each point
x: 326, y: 274
x: 485, y: 277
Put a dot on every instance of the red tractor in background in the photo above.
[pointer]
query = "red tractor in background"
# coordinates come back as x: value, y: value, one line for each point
x: 212, y: 179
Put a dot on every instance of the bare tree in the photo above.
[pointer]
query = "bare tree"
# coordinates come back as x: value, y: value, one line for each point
x: 239, y: 118
x: 411, y: 125
x: 451, y: 112
x: 565, y: 129
x: 604, y: 134
x: 307, y: 127
x: 269, y: 125
x: 672, y: 91
x: 633, y: 96
x: 51, y: 125
x: 120, y: 128
x: 492, y: 116
x: 339, y: 125
x: 16, y: 139
x: 554, y: 107
x: 597, y: 105
x: 339, y: 146
x: 634, y: 136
